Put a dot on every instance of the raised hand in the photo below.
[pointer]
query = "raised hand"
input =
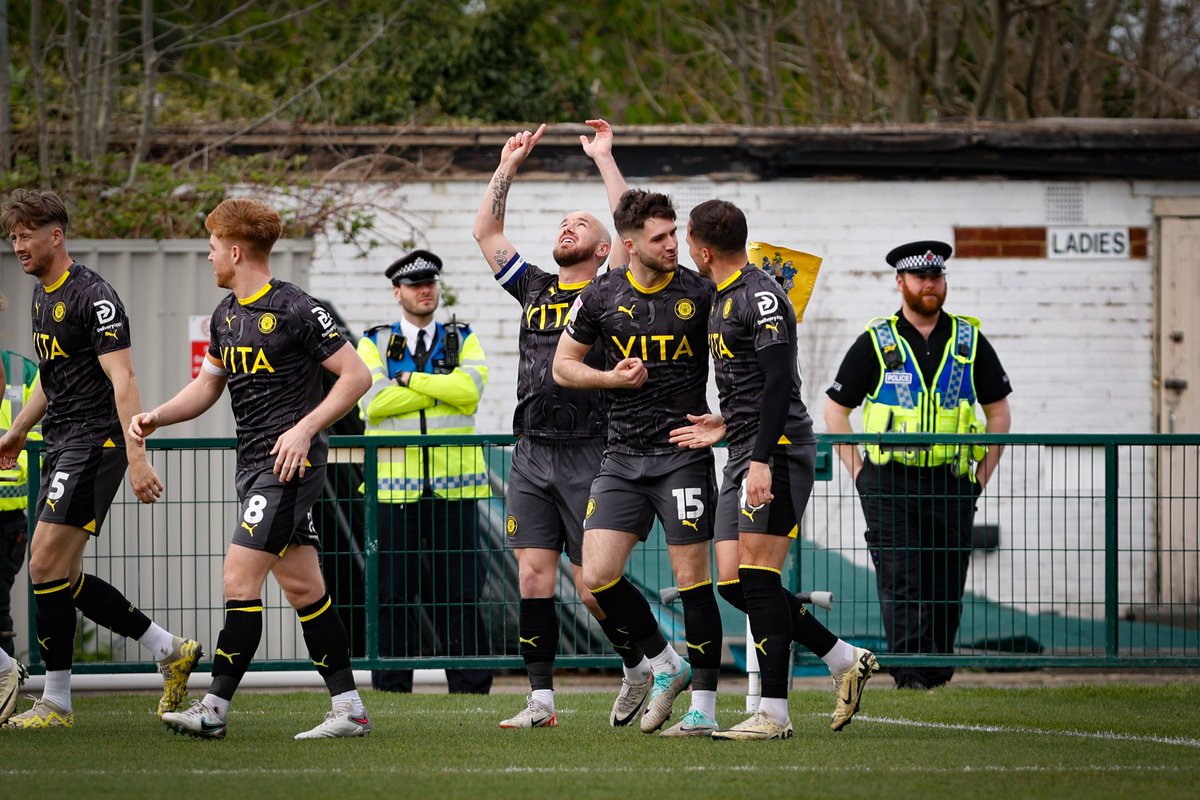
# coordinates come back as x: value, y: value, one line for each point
x: 601, y: 144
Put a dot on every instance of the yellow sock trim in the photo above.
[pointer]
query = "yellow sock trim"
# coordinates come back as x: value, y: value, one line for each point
x: 696, y: 585
x: 606, y: 586
x: 319, y: 611
x: 52, y: 589
x: 756, y: 566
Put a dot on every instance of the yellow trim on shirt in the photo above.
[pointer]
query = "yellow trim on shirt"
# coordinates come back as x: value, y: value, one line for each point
x: 656, y: 289
x: 247, y: 301
x: 58, y: 283
x: 730, y: 279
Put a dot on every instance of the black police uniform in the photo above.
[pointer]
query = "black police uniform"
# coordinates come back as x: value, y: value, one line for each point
x: 919, y: 519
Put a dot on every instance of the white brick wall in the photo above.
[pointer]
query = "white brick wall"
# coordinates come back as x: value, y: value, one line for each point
x: 1057, y: 325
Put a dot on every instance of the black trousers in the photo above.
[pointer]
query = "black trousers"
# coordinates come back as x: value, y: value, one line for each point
x: 14, y: 535
x: 919, y: 522
x: 431, y: 576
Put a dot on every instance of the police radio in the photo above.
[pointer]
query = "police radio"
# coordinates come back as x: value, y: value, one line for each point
x: 451, y: 344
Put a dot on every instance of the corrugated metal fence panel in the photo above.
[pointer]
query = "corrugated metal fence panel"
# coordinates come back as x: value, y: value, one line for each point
x: 162, y: 284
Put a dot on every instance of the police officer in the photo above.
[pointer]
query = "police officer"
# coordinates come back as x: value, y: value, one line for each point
x: 428, y: 378
x: 921, y: 370
x: 14, y: 489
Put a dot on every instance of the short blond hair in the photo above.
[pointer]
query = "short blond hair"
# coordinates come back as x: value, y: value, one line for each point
x: 252, y: 223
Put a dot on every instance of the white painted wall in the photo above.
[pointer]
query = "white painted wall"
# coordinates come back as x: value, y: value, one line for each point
x: 1075, y: 336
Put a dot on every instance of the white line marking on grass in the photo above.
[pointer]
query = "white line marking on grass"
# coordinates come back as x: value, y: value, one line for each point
x: 757, y: 769
x: 1111, y: 736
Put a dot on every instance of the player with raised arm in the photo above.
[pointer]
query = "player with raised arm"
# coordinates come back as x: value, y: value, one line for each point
x: 651, y: 317
x: 561, y: 442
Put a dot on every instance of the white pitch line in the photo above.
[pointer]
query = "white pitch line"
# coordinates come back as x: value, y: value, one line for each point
x: 757, y: 769
x: 1111, y: 736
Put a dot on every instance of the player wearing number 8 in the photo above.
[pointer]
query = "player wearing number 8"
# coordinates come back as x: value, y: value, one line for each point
x: 269, y: 343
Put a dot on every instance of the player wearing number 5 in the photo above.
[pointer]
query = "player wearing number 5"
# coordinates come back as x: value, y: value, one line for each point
x: 87, y: 393
x: 269, y: 344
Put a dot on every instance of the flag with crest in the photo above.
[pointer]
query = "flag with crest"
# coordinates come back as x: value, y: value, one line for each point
x: 795, y: 270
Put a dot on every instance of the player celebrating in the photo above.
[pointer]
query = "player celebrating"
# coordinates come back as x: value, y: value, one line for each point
x: 561, y: 442
x: 651, y: 317
x: 269, y: 343
x: 88, y: 393
x: 769, y: 475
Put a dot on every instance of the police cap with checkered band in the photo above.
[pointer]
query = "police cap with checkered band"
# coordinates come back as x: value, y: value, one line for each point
x: 419, y: 266
x: 923, y: 258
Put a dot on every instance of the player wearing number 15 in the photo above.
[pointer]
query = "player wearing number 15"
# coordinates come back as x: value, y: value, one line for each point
x: 269, y: 344
x: 652, y: 317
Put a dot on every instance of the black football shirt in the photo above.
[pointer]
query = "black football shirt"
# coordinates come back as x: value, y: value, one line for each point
x: 272, y: 345
x: 76, y: 320
x: 543, y: 407
x: 751, y: 313
x: 665, y: 328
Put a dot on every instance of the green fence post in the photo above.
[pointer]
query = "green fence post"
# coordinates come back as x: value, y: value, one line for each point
x: 33, y: 477
x: 371, y: 547
x: 1111, y: 485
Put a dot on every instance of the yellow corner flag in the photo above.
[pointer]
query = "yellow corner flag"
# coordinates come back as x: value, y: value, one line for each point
x: 796, y: 271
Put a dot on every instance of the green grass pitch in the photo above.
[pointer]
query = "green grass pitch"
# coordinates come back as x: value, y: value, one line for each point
x: 957, y: 742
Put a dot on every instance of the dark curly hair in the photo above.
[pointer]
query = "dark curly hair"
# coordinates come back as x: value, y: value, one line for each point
x: 638, y: 205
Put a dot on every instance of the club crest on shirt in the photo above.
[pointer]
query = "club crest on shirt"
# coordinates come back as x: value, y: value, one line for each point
x: 267, y: 323
x: 728, y: 309
x: 59, y: 311
x: 685, y: 309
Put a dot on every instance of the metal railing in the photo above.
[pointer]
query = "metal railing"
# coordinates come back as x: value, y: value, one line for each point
x: 1084, y: 553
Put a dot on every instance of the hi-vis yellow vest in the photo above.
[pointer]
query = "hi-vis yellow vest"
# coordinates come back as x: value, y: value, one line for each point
x: 904, y: 401
x: 14, y: 483
x: 430, y: 404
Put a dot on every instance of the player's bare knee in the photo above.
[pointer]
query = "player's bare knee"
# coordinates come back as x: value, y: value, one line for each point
x: 692, y: 566
x: 595, y: 578
x: 44, y: 567
x: 303, y: 598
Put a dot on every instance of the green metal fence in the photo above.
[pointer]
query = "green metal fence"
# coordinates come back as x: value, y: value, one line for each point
x: 1085, y: 554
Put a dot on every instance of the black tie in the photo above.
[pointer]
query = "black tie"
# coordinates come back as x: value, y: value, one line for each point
x: 422, y: 352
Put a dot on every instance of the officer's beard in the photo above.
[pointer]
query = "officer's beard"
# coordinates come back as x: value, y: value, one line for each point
x: 927, y: 303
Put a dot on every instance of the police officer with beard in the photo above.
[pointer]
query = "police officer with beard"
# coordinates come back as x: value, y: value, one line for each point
x: 921, y: 370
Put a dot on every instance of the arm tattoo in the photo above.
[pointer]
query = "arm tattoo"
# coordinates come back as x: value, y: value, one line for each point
x: 501, y: 257
x: 499, y: 195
